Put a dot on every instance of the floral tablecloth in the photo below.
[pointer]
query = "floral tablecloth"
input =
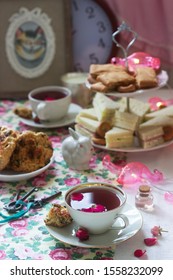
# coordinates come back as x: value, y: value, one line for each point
x: 28, y: 238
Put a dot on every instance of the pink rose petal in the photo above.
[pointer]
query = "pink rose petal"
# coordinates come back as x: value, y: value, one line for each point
x: 50, y: 98
x: 77, y: 196
x: 95, y: 208
x: 150, y: 241
x: 139, y: 253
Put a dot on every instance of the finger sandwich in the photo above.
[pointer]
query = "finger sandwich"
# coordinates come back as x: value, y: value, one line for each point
x: 167, y: 111
x: 83, y: 131
x: 136, y: 107
x: 158, y: 121
x: 93, y: 129
x: 85, y: 126
x: 104, y: 107
x: 87, y: 123
x: 126, y: 120
x: 119, y: 138
x: 150, y: 136
x: 88, y: 113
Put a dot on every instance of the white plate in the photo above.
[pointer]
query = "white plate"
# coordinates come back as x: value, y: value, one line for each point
x: 12, y: 176
x: 74, y: 109
x: 135, y: 148
x: 111, y: 237
x: 162, y: 81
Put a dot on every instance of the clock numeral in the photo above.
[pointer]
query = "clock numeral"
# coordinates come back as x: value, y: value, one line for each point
x: 101, y: 43
x: 101, y: 26
x: 90, y: 12
x: 93, y: 58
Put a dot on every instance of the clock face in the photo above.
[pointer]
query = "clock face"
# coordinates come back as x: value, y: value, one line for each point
x: 92, y: 34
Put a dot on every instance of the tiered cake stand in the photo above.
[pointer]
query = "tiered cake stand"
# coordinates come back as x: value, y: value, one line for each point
x: 162, y: 77
x: 162, y: 81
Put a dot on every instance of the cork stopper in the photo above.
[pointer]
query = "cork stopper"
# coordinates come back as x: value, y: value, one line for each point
x: 144, y: 188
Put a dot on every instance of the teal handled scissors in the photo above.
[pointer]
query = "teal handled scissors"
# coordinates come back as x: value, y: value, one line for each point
x: 17, y: 207
x: 17, y: 204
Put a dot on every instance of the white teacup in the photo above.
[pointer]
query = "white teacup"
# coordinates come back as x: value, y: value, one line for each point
x: 75, y: 81
x: 79, y: 201
x: 50, y: 102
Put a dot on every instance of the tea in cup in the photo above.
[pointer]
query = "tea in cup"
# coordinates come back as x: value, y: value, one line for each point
x: 96, y: 206
x: 50, y: 103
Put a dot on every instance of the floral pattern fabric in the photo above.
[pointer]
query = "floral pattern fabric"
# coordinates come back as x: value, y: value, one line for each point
x: 27, y: 238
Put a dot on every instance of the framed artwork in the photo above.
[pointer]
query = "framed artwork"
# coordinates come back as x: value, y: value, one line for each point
x: 35, y: 45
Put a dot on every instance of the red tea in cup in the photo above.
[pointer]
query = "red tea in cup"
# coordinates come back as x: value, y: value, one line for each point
x: 94, y: 199
x: 49, y: 95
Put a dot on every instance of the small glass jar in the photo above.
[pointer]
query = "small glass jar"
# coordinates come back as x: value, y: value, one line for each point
x: 144, y: 198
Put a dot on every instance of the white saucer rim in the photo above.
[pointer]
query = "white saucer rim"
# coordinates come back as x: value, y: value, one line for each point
x: 85, y: 244
x: 58, y: 123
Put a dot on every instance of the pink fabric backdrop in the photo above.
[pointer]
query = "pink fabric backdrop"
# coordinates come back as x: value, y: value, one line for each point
x: 153, y: 21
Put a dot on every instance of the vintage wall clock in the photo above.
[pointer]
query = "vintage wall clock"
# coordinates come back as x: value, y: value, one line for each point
x: 92, y: 26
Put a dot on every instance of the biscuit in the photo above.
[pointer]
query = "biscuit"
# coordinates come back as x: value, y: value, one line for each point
x: 96, y: 69
x: 114, y: 79
x: 99, y: 87
x: 32, y: 151
x: 8, y: 140
x: 58, y: 216
x: 126, y: 89
x: 145, y: 77
x: 23, y: 112
x: 91, y: 80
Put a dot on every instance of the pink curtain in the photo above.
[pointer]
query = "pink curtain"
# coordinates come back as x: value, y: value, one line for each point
x: 153, y: 21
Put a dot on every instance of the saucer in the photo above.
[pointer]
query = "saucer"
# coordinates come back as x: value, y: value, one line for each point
x: 12, y: 176
x: 107, y: 239
x: 74, y: 109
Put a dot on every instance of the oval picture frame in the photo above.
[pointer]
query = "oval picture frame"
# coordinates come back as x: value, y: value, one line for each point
x: 30, y: 42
